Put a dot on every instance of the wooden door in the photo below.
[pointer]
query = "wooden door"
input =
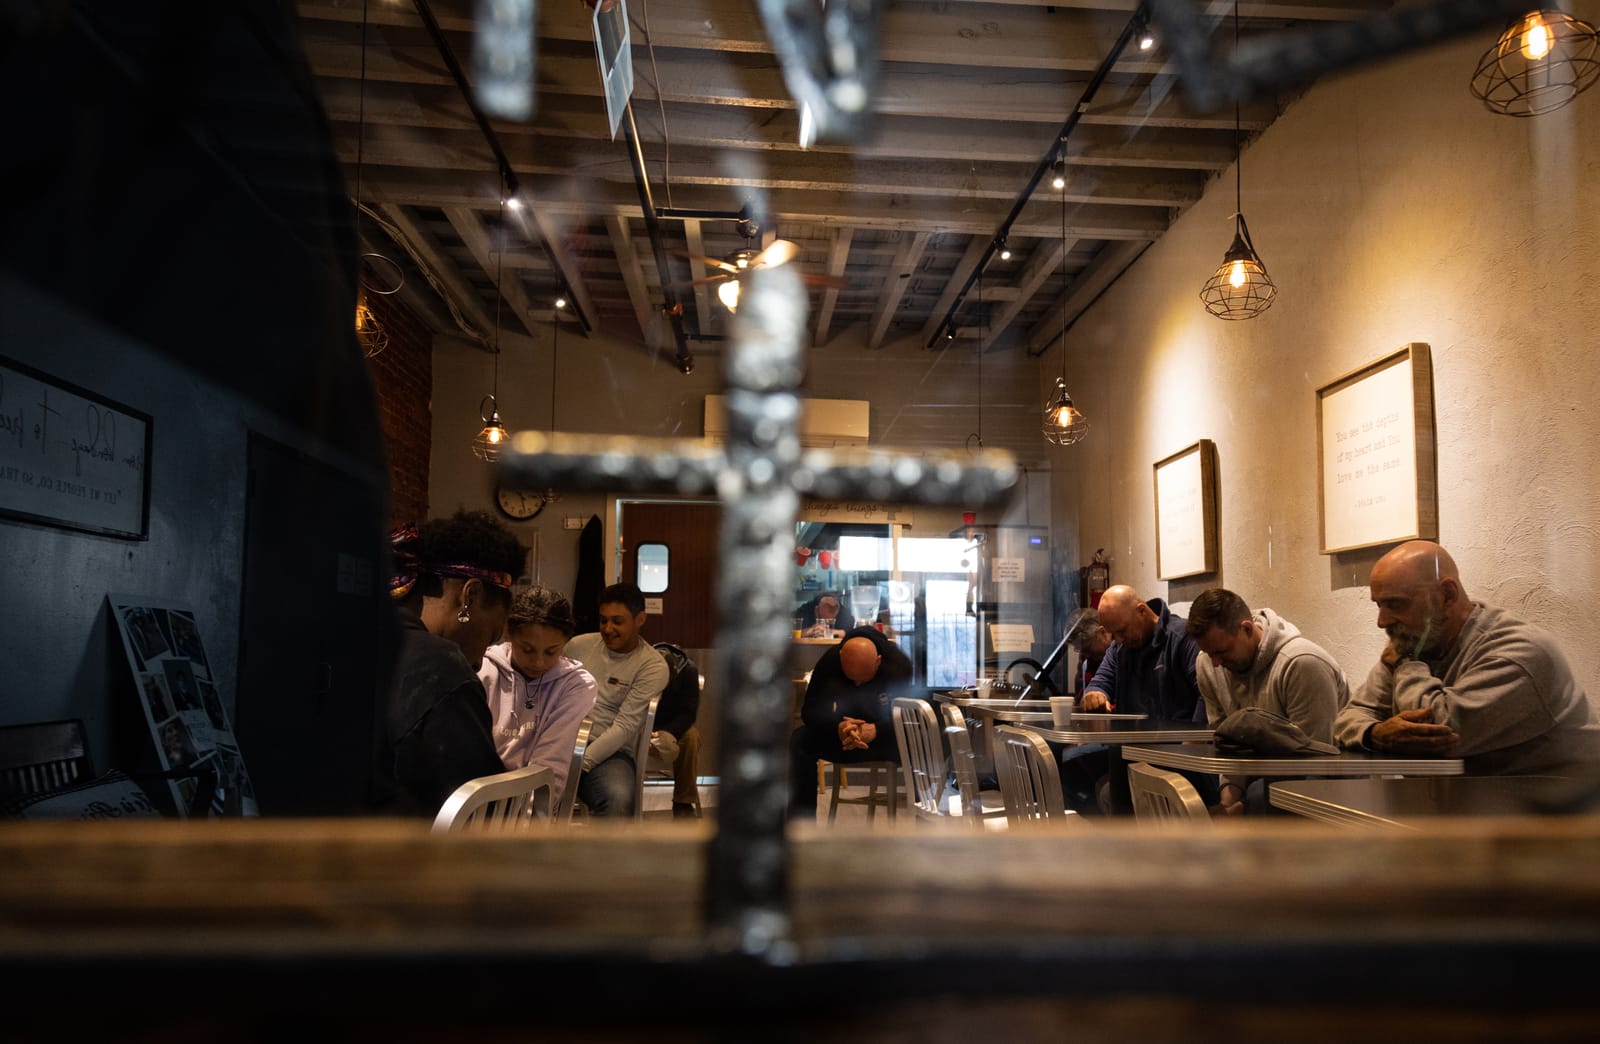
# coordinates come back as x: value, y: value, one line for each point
x: 689, y: 532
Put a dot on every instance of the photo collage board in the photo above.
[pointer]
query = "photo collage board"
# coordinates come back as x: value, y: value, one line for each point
x: 182, y: 706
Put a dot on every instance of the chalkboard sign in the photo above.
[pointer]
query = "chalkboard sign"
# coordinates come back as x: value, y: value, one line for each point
x: 69, y: 457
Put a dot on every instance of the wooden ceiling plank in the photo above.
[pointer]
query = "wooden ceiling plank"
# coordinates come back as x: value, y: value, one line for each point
x: 476, y: 237
x: 1041, y: 266
x: 894, y: 286
x: 838, y: 258
x: 632, y: 274
x: 708, y: 320
x: 464, y: 299
x: 1088, y: 285
x: 542, y: 218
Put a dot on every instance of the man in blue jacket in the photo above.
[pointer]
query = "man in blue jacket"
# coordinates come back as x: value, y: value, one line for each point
x: 1149, y: 669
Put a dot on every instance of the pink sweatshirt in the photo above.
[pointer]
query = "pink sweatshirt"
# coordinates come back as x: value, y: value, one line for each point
x: 536, y: 720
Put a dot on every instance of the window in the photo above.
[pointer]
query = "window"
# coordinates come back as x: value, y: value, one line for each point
x: 653, y: 572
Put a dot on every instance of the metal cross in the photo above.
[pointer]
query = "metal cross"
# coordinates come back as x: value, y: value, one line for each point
x: 759, y: 477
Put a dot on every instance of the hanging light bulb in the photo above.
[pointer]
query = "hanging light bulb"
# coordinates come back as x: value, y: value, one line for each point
x: 1059, y: 181
x: 728, y: 294
x: 486, y: 444
x: 1064, y: 423
x: 1240, y: 287
x: 370, y: 333
x: 1541, y: 62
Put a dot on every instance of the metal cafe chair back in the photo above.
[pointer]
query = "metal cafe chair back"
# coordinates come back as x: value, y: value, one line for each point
x: 1030, y: 783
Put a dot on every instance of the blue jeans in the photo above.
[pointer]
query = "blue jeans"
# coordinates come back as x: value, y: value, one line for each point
x: 608, y: 789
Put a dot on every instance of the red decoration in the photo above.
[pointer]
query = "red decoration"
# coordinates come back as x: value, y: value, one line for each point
x: 825, y: 558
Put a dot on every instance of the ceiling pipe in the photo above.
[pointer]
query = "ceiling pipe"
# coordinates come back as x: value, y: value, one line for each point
x: 947, y: 324
x: 672, y: 308
x: 507, y: 176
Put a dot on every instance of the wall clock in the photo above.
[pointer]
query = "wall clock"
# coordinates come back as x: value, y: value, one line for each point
x: 518, y: 505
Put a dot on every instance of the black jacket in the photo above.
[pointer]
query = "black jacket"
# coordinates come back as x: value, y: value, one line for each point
x: 831, y: 697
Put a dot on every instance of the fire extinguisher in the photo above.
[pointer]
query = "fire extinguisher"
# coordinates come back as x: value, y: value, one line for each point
x: 1096, y: 578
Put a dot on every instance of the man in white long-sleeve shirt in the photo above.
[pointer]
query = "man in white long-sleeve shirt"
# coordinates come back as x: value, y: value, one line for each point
x: 627, y: 673
x: 1460, y: 678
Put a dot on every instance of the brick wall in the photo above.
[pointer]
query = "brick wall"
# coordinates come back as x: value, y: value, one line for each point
x: 402, y: 376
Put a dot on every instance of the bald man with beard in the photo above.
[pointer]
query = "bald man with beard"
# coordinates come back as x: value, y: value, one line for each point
x: 846, y: 716
x: 1459, y: 678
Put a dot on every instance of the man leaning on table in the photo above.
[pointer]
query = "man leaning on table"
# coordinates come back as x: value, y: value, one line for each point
x: 1463, y: 679
x: 1149, y: 669
x: 1261, y: 660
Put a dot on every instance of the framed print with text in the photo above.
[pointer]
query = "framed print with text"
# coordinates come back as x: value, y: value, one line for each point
x: 1186, y: 512
x: 1376, y: 479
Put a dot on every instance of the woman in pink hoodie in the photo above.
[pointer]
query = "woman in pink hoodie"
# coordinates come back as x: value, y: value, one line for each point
x: 538, y: 696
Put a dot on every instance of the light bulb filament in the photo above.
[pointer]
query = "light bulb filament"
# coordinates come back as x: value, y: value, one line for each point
x: 1535, y: 39
x: 1236, y: 275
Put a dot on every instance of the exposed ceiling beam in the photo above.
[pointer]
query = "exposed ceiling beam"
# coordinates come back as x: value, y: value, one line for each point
x: 838, y: 257
x: 468, y: 226
x: 1041, y: 266
x: 1090, y: 284
x: 543, y: 219
x: 894, y: 286
x: 706, y: 319
x: 976, y: 248
x: 632, y: 274
x: 458, y: 294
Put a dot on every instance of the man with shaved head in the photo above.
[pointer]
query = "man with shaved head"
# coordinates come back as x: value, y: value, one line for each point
x: 1459, y: 678
x: 1149, y: 669
x: 846, y: 716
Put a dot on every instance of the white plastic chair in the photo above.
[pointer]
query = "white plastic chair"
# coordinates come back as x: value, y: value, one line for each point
x: 569, y: 793
x: 1161, y: 796
x: 498, y: 803
x: 976, y: 805
x: 921, y: 756
x: 1029, y: 780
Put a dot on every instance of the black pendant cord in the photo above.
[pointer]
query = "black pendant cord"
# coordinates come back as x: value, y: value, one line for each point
x: 361, y: 116
x: 980, y: 360
x: 1064, y: 283
x: 1238, y: 135
x: 499, y: 297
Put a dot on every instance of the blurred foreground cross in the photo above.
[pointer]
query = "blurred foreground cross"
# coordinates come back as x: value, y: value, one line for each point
x: 759, y: 477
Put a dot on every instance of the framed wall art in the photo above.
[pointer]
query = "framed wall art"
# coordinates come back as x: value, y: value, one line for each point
x: 1376, y: 478
x: 70, y: 457
x: 1186, y: 512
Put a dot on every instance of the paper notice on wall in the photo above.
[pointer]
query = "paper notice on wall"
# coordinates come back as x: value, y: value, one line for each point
x: 1011, y: 637
x: 652, y: 606
x: 1009, y: 570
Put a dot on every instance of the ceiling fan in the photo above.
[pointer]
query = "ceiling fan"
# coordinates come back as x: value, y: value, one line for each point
x: 744, y: 261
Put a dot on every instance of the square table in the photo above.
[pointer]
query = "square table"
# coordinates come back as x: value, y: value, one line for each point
x: 1399, y: 802
x: 1203, y: 757
x: 1112, y: 729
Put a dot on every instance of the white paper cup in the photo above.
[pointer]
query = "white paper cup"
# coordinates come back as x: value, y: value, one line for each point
x: 984, y: 687
x: 1061, y: 708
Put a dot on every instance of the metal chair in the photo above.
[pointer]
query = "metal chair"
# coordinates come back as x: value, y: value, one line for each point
x: 1159, y: 795
x: 1029, y: 780
x: 921, y: 756
x: 964, y: 763
x: 498, y: 803
x: 641, y: 753
x: 890, y: 798
x: 569, y: 793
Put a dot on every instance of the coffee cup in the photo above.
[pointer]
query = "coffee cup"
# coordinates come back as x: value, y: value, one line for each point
x: 1061, y: 708
x: 984, y: 685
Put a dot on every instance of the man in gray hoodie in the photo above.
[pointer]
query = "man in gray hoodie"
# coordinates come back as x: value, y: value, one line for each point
x: 1261, y: 660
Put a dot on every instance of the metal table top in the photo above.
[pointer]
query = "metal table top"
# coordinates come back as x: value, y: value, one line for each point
x: 1203, y: 757
x: 1114, y: 729
x: 1394, y: 802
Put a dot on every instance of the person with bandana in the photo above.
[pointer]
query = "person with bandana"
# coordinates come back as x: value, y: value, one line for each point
x: 452, y: 591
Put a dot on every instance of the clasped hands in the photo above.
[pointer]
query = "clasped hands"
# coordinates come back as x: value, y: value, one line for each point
x: 855, y: 734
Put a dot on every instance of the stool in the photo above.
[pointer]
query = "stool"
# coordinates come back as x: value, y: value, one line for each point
x: 890, y: 798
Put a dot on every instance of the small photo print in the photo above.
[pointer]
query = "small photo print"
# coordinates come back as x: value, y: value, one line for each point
x: 155, y: 696
x: 186, y: 638
x: 181, y: 683
x: 177, y: 744
x: 213, y: 705
x: 148, y: 641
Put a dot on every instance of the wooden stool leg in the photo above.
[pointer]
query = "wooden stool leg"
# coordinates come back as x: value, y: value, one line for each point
x: 820, y: 787
x: 833, y: 804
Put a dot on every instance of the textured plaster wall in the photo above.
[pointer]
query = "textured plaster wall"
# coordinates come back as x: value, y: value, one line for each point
x: 1389, y: 207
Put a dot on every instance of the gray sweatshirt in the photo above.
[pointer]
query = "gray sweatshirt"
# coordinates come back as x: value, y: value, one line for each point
x: 1292, y: 676
x: 1503, y: 686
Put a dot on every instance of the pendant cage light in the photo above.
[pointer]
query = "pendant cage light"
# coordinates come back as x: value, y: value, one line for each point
x: 370, y: 332
x: 487, y: 443
x: 1064, y: 423
x: 1541, y: 62
x: 1240, y: 288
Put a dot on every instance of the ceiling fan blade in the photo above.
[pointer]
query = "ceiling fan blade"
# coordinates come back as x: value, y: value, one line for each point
x: 701, y: 282
x: 713, y: 262
x: 780, y: 252
x: 833, y: 282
